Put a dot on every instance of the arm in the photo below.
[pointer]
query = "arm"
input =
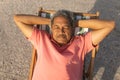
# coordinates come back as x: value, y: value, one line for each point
x: 99, y: 28
x: 26, y: 22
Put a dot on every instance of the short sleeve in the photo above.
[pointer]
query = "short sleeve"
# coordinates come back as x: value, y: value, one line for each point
x: 88, y: 42
x: 35, y: 37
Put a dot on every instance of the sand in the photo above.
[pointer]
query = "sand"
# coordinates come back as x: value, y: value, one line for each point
x: 15, y: 50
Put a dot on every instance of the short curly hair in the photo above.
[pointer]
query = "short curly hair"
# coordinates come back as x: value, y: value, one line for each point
x: 66, y: 14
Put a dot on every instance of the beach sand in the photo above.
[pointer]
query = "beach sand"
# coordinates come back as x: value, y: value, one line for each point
x: 15, y: 50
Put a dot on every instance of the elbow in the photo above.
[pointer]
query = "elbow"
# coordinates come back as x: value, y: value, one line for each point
x: 112, y: 25
x: 15, y: 17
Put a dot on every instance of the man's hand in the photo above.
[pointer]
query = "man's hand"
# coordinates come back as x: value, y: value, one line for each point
x: 26, y: 22
x: 99, y: 28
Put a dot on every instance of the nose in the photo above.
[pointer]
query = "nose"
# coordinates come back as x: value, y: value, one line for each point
x: 62, y: 30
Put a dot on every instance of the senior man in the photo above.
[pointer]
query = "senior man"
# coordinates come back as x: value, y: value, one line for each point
x: 60, y: 55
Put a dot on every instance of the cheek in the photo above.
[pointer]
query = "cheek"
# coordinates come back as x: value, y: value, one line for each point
x: 54, y: 34
x: 68, y: 34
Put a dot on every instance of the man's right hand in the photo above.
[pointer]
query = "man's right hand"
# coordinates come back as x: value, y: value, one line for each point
x: 26, y: 22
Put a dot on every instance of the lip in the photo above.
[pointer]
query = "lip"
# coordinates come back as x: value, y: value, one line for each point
x: 63, y: 36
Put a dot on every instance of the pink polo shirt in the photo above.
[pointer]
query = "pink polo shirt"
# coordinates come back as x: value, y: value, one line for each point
x: 59, y: 63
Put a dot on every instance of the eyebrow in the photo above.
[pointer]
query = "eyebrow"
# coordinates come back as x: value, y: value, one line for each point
x: 62, y: 23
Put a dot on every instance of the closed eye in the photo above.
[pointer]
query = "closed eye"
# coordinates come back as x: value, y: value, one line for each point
x: 66, y: 27
x: 56, y: 27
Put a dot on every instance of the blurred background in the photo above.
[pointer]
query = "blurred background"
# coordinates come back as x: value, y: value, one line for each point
x: 15, y: 50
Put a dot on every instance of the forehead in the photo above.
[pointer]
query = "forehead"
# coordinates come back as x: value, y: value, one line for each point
x: 60, y: 20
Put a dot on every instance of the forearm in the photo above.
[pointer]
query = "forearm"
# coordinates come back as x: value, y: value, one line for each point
x: 96, y: 24
x: 100, y: 28
x: 31, y: 19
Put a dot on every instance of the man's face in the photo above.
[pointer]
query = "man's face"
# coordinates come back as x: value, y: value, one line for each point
x: 61, y: 30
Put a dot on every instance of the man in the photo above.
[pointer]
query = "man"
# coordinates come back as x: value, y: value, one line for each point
x: 60, y: 55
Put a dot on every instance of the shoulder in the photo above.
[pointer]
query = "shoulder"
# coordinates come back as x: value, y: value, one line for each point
x: 38, y: 34
x: 41, y: 32
x: 82, y: 40
x: 87, y: 35
x: 83, y: 36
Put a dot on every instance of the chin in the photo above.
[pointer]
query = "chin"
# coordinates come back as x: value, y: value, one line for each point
x: 62, y: 42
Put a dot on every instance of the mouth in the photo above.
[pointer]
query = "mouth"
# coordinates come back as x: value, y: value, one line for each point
x: 62, y: 36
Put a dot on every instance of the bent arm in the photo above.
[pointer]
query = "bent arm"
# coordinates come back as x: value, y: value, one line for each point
x: 99, y: 28
x: 26, y: 22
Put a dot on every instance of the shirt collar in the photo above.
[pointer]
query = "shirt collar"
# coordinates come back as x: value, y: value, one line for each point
x: 52, y: 40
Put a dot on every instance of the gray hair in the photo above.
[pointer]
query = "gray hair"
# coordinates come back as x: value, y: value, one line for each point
x: 66, y: 14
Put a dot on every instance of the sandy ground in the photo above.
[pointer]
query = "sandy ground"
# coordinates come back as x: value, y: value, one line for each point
x: 15, y: 50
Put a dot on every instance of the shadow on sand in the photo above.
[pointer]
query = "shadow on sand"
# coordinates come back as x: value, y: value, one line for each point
x: 107, y: 61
